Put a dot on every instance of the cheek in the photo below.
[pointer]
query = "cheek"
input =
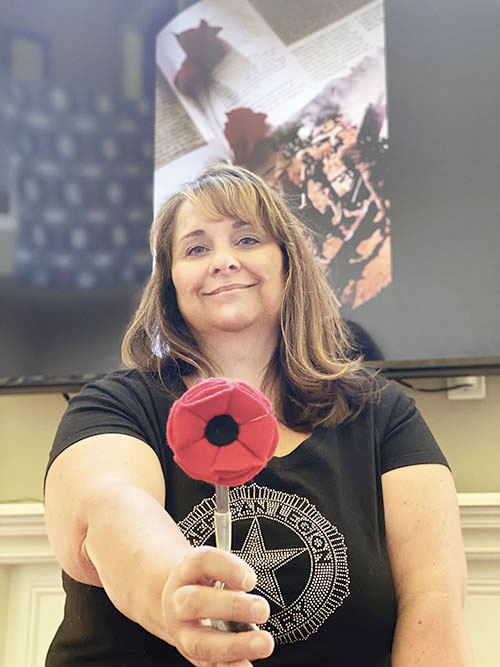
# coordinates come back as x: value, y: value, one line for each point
x: 176, y: 281
x: 280, y: 269
x: 276, y: 273
x: 180, y: 287
x: 184, y: 279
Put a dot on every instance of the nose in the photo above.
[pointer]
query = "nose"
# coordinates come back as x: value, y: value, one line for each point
x: 223, y: 261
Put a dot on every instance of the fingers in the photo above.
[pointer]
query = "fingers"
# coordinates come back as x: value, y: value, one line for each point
x: 238, y: 663
x: 194, y: 602
x: 205, y: 565
x: 189, y: 597
x: 206, y: 645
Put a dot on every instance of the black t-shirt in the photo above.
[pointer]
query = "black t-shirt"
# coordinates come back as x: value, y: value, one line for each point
x: 311, y: 524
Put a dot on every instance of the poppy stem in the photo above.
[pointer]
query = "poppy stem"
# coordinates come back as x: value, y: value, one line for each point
x: 221, y: 498
x: 222, y: 518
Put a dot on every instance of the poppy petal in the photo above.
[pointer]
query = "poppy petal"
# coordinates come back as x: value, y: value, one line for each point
x: 182, y: 431
x: 254, y: 393
x: 230, y: 464
x: 198, y: 459
x: 244, y: 406
x: 204, y: 389
x: 211, y: 402
x: 234, y: 457
x: 260, y: 437
x: 235, y: 479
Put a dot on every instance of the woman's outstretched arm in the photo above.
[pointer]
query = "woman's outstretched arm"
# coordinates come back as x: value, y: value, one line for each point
x: 107, y: 524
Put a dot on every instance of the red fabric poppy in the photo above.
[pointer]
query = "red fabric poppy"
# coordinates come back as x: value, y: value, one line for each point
x: 222, y: 432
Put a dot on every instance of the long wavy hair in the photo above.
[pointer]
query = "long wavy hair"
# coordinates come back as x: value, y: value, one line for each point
x: 313, y: 376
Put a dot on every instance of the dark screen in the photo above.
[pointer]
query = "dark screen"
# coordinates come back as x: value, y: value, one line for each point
x: 67, y: 295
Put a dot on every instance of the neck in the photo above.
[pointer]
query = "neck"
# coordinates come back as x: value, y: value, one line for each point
x: 240, y: 356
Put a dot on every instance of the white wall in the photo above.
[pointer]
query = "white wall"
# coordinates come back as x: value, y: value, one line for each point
x: 468, y: 432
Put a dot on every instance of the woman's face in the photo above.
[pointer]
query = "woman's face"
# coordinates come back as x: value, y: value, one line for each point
x: 227, y: 274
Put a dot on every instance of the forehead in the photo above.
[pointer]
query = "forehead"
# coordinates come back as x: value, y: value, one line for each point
x: 192, y: 220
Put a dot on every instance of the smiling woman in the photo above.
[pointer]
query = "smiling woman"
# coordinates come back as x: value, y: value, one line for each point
x: 349, y: 535
x: 229, y: 227
x: 228, y: 277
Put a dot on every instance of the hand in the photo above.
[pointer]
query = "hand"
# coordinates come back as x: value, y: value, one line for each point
x: 189, y: 598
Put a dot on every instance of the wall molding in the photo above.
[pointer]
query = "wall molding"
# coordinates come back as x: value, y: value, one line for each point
x: 34, y: 609
x: 480, y: 522
x: 35, y: 597
x: 23, y: 537
x: 40, y: 593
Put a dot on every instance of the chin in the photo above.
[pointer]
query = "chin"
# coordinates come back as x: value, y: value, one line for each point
x: 229, y: 322
x: 233, y: 324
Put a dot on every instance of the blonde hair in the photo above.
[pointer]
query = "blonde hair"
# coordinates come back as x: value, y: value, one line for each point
x: 313, y: 376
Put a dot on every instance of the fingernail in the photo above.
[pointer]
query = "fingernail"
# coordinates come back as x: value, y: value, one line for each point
x: 259, y: 645
x: 250, y: 580
x: 259, y: 611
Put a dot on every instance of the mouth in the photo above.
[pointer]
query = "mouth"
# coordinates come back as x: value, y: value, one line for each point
x: 228, y: 288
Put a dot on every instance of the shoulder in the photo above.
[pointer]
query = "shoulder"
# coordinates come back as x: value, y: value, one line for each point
x: 381, y: 398
x: 128, y: 385
x: 389, y: 412
x: 121, y: 381
x: 402, y: 435
x: 393, y: 407
x: 125, y: 393
x: 129, y: 402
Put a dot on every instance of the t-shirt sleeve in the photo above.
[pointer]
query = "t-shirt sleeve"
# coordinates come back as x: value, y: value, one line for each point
x: 119, y: 403
x: 404, y: 437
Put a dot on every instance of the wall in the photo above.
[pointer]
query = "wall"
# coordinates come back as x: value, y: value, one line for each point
x: 27, y: 426
x: 468, y: 432
x: 4, y: 595
x: 81, y: 36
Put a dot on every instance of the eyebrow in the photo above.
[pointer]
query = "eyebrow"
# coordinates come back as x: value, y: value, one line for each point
x: 196, y: 233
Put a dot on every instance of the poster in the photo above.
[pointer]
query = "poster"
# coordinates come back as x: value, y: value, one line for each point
x: 296, y: 93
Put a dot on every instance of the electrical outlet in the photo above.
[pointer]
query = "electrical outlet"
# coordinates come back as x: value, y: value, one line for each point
x: 475, y: 387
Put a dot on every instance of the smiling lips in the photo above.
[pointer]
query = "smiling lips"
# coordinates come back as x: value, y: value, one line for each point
x: 228, y: 288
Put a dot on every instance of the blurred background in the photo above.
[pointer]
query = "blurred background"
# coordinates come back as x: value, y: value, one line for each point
x: 77, y: 82
x: 76, y: 170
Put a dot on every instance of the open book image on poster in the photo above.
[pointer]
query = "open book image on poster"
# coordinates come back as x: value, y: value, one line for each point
x: 298, y: 97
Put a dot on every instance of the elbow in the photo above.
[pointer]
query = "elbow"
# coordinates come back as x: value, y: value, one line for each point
x: 68, y: 542
x: 86, y: 567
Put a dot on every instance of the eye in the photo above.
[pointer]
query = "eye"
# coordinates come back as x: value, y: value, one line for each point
x: 248, y: 241
x: 195, y: 250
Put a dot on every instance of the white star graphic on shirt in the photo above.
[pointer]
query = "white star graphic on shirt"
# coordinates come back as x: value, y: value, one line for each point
x: 265, y: 562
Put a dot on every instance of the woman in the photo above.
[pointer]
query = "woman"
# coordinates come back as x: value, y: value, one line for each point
x: 351, y: 543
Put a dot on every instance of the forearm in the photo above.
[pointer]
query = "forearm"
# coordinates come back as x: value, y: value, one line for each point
x: 133, y: 544
x: 431, y: 632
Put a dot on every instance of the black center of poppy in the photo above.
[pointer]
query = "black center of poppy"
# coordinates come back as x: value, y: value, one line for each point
x: 221, y: 430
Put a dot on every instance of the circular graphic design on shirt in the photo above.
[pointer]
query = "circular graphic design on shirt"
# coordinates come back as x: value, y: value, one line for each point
x: 299, y: 557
